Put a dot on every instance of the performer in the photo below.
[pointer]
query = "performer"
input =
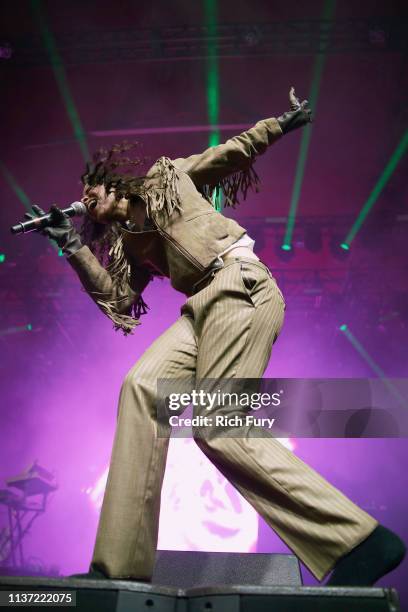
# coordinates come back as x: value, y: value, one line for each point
x: 164, y: 224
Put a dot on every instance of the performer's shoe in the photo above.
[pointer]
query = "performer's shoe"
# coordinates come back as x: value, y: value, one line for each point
x: 381, y: 552
x: 97, y: 574
x: 93, y: 574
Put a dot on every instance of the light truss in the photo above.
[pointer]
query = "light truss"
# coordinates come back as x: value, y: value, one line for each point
x: 300, y: 37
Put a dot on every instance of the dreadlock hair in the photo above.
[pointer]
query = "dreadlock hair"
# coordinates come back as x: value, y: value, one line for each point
x: 112, y: 168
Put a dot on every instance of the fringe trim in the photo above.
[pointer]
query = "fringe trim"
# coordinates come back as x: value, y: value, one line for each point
x: 231, y: 186
x: 119, y: 270
x: 163, y: 196
x: 126, y: 323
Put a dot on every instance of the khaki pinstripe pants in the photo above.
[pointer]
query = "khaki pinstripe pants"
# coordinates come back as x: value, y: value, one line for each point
x: 225, y: 330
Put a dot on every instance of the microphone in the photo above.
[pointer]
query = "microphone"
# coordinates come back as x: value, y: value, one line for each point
x: 76, y: 208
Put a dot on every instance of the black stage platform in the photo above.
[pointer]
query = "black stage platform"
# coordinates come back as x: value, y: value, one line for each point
x: 186, y: 581
x: 121, y: 596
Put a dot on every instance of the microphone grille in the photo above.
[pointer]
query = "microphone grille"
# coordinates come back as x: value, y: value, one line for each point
x: 79, y: 208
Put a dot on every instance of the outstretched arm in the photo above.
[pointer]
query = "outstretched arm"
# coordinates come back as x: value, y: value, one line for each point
x: 237, y: 155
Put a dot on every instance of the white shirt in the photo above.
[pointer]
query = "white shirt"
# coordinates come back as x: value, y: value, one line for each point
x: 244, y: 241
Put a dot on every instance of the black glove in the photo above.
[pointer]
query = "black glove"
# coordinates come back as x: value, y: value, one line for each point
x: 61, y: 229
x: 297, y: 117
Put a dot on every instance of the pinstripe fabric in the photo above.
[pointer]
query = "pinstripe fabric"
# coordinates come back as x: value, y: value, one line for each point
x: 226, y: 330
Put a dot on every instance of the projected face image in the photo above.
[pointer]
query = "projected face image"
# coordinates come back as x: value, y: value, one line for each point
x: 200, y: 509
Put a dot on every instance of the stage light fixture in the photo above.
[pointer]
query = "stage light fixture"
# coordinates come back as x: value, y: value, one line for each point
x: 338, y: 248
x: 284, y: 250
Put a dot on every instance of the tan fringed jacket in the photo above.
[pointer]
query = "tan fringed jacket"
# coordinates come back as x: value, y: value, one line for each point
x: 188, y: 233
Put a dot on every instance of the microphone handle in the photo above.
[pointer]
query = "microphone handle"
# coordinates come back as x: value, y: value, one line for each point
x: 37, y: 224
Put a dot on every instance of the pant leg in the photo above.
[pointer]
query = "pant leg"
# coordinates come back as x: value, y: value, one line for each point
x: 237, y: 319
x: 127, y: 533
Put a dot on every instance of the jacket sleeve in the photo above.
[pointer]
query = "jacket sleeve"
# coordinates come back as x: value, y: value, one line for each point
x: 235, y: 157
x: 116, y: 298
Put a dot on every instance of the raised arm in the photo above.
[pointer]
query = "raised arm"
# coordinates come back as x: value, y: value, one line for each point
x: 237, y: 155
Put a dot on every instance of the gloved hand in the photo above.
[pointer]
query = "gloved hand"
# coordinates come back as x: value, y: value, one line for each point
x: 61, y: 229
x: 298, y: 116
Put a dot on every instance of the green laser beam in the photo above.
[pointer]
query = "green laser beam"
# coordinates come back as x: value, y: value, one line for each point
x: 18, y: 190
x: 373, y: 365
x: 60, y: 76
x: 395, y: 158
x: 319, y: 62
x: 213, y: 88
x: 361, y: 350
x: 212, y: 64
x: 297, y: 185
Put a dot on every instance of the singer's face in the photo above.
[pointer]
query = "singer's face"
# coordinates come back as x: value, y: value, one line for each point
x: 102, y: 206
